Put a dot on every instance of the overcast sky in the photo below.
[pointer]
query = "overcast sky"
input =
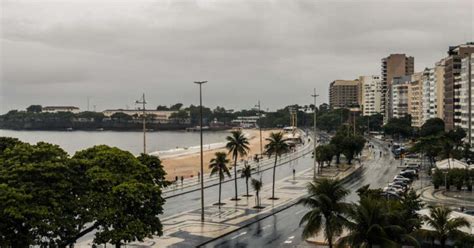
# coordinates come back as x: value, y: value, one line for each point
x: 62, y: 52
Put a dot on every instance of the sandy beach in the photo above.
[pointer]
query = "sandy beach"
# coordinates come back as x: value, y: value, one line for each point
x: 189, y: 165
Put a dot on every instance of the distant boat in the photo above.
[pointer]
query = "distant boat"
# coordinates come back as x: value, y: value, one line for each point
x: 69, y: 129
x: 100, y: 129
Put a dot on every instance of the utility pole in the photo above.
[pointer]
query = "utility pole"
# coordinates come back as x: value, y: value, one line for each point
x: 143, y: 102
x: 202, y: 161
x: 314, y: 134
x: 260, y: 127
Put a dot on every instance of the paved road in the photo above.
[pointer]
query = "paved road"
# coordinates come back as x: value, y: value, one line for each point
x: 282, y: 229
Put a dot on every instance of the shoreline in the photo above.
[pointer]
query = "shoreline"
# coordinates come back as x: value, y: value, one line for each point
x: 188, y: 165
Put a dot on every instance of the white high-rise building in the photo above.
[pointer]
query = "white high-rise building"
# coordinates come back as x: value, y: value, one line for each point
x: 466, y: 95
x: 429, y: 94
x: 399, y: 97
x: 371, y: 94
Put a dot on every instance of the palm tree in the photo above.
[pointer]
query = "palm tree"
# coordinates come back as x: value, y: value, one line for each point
x: 247, y: 173
x: 218, y: 166
x: 368, y: 224
x: 257, y: 186
x: 277, y: 146
x: 444, y: 226
x: 238, y: 145
x: 325, y: 198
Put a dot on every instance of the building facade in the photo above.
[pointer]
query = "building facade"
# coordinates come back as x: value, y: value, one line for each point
x: 158, y: 116
x: 415, y: 99
x: 345, y: 93
x: 452, y: 86
x: 371, y: 94
x: 399, y: 99
x: 395, y: 65
x: 56, y: 109
x: 466, y: 96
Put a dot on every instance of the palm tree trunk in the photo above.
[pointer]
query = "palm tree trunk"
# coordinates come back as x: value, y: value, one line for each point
x: 274, y: 169
x: 330, y: 242
x: 235, y: 176
x: 247, y: 185
x: 442, y: 242
x: 220, y: 184
x: 258, y: 199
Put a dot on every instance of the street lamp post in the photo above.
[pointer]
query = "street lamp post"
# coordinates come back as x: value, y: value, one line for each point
x: 260, y: 127
x: 143, y: 102
x: 314, y: 133
x: 202, y: 161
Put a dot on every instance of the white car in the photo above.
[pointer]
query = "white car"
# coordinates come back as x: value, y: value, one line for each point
x: 402, y: 178
x: 397, y: 186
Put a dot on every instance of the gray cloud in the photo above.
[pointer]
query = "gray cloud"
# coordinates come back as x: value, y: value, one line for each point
x: 60, y: 52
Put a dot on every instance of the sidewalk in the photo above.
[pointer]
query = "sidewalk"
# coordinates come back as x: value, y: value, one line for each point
x: 186, y: 229
x: 265, y: 163
x: 452, y: 198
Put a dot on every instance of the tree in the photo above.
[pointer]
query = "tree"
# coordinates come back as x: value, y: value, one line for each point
x: 257, y: 186
x: 277, y: 146
x: 123, y: 194
x: 399, y: 127
x: 153, y: 163
x: 121, y: 116
x: 430, y: 146
x: 218, y: 166
x: 34, y: 109
x: 237, y: 145
x: 180, y: 116
x: 433, y: 126
x: 325, y: 198
x: 369, y: 224
x: 162, y: 107
x: 444, y: 227
x: 410, y: 204
x: 351, y: 146
x: 176, y: 106
x: 247, y: 173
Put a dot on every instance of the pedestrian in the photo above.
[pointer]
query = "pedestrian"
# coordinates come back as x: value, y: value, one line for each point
x: 294, y: 174
x: 199, y: 177
x: 182, y: 179
x: 176, y: 178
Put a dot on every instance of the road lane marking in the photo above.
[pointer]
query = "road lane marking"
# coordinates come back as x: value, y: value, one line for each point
x: 238, y: 235
x: 265, y: 227
x: 299, y: 212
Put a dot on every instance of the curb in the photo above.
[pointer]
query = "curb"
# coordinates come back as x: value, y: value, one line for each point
x: 353, y: 174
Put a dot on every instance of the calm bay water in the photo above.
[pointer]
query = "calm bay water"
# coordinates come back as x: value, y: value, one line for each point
x: 130, y: 141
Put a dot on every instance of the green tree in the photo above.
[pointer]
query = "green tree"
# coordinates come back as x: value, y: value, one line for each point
x: 399, y: 127
x: 433, y: 126
x: 277, y: 146
x: 430, y: 146
x: 123, y: 195
x: 444, y: 226
x: 156, y: 169
x: 369, y: 225
x: 257, y: 186
x: 325, y: 198
x: 121, y: 116
x: 237, y: 145
x: 247, y: 173
x: 34, y: 109
x: 162, y: 107
x: 176, y: 106
x: 218, y: 165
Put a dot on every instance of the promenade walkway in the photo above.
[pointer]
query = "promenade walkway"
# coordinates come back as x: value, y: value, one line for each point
x: 186, y: 229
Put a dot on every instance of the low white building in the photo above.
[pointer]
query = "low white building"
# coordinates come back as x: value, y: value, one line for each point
x: 246, y: 121
x: 56, y: 109
x: 161, y: 116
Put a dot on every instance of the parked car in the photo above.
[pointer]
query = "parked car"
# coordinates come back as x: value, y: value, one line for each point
x: 408, y: 174
x: 393, y: 189
x: 402, y: 178
x: 470, y: 211
x: 390, y: 195
x: 397, y: 186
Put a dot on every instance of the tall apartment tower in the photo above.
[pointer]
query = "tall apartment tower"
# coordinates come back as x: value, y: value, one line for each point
x: 452, y: 86
x: 466, y: 96
x: 415, y: 98
x: 371, y: 94
x: 395, y: 65
x: 399, y: 97
x: 345, y: 94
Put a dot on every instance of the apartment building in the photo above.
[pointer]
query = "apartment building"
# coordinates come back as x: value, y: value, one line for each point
x: 415, y: 99
x: 452, y: 86
x: 429, y: 90
x: 466, y: 92
x: 371, y: 94
x: 345, y: 93
x: 399, y: 99
x: 395, y: 65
